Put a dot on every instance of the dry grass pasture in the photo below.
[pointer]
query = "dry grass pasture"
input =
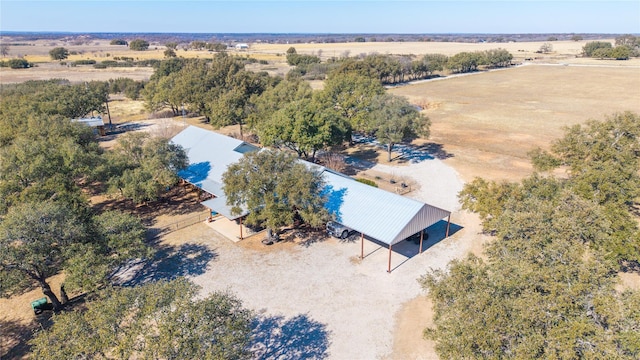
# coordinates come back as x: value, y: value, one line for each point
x: 487, y: 122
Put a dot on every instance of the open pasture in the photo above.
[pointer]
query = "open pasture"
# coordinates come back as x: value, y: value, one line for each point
x: 488, y: 122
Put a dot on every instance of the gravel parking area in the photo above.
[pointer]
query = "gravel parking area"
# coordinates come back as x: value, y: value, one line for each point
x: 319, y: 300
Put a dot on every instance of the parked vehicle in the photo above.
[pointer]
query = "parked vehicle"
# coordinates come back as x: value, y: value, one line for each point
x: 338, y: 230
x: 416, y: 237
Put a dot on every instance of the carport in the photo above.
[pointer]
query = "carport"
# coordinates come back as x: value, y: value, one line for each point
x: 381, y: 215
x: 387, y: 217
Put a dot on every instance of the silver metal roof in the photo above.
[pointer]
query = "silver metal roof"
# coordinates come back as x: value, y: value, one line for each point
x: 382, y: 215
x: 92, y: 121
x: 209, y: 156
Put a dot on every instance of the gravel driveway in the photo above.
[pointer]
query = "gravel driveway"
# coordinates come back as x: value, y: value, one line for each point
x: 320, y: 300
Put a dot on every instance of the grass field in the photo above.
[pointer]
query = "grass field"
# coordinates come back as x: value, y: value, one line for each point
x: 488, y: 122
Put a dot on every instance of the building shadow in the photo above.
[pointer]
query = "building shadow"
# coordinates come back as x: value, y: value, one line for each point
x: 299, y: 337
x: 168, y: 263
x: 437, y: 232
x: 410, y: 247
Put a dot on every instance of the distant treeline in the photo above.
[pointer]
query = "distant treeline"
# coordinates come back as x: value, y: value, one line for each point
x: 303, y: 38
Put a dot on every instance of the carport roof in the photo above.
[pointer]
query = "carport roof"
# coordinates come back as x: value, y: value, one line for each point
x: 382, y: 215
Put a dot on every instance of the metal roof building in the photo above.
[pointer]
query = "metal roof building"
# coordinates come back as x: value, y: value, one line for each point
x: 384, y: 216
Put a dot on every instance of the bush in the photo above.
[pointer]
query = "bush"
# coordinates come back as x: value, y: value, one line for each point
x: 18, y: 64
x: 139, y: 45
x: 84, y: 62
x: 118, y: 42
x: 589, y: 48
x: 367, y: 181
x: 99, y: 66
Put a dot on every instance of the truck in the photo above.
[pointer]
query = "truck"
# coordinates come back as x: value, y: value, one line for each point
x: 338, y: 230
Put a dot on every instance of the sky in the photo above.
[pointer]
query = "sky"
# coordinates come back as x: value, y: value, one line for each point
x: 323, y: 16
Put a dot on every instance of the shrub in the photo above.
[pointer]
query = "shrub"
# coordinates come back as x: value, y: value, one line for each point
x: 367, y: 181
x: 118, y: 42
x: 139, y: 45
x: 84, y: 62
x: 18, y: 64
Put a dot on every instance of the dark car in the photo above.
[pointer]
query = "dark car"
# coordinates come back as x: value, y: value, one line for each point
x: 416, y: 237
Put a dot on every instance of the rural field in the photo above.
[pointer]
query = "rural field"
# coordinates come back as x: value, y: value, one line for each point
x: 483, y: 125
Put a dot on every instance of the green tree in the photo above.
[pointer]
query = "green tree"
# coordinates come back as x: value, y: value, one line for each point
x: 139, y: 45
x: 118, y: 42
x: 577, y: 38
x: 351, y: 96
x: 396, y: 121
x: 465, y: 62
x: 59, y: 53
x: 272, y: 185
x: 156, y: 320
x: 305, y: 127
x: 621, y: 52
x: 171, y: 45
x: 169, y: 53
x: 117, y: 239
x: 542, y: 292
x: 263, y: 106
x: 43, y: 162
x: 39, y: 239
x: 19, y: 64
x: 34, y: 238
x: 589, y: 48
x: 497, y: 58
x: 140, y: 168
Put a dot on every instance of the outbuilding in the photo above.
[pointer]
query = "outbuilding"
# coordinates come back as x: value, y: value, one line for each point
x: 381, y: 216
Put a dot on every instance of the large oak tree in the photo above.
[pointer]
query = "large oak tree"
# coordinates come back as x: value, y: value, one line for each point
x: 272, y: 186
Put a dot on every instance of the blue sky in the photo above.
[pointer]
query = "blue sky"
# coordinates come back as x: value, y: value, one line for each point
x: 309, y: 16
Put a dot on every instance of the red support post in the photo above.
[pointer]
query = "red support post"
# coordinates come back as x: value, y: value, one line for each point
x: 361, y: 246
x: 448, y: 224
x: 241, y: 228
x: 389, y: 267
x: 421, y: 237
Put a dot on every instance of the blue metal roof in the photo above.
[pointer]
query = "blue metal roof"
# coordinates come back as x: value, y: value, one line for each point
x: 380, y: 214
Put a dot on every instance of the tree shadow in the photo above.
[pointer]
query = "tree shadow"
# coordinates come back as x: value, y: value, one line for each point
x: 168, y: 263
x: 299, y: 337
x: 14, y: 342
x: 406, y: 152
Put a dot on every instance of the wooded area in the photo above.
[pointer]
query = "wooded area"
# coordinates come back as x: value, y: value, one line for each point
x: 547, y: 286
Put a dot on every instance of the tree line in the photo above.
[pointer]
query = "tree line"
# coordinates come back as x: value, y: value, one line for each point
x: 395, y: 69
x: 626, y: 46
x: 284, y: 113
x: 547, y: 288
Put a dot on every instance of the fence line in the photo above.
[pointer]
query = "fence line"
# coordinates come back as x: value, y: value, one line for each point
x: 169, y: 228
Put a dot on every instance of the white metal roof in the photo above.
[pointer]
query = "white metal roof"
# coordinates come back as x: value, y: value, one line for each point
x: 382, y: 215
x: 209, y: 156
x: 385, y: 216
x: 92, y: 121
